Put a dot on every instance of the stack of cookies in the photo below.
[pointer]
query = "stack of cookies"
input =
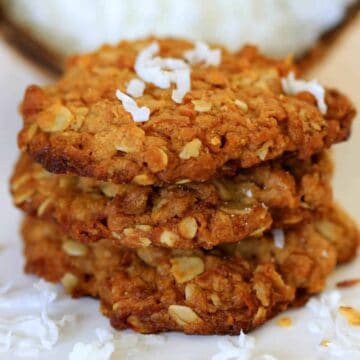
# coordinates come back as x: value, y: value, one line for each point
x: 186, y: 187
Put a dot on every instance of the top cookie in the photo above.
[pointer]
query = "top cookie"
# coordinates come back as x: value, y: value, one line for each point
x: 196, y: 113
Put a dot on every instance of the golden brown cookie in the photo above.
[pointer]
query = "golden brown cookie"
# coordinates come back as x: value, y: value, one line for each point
x: 341, y: 231
x: 221, y: 291
x: 236, y: 115
x: 272, y: 195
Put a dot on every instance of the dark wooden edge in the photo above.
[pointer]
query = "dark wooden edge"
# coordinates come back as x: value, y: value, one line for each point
x: 30, y: 47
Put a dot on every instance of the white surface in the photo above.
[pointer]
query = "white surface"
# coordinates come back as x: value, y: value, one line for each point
x: 284, y: 343
x: 279, y: 27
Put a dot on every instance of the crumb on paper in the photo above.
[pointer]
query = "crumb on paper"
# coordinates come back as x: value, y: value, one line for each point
x: 348, y: 283
x: 352, y: 315
x: 284, y: 322
x: 292, y: 86
x: 325, y: 343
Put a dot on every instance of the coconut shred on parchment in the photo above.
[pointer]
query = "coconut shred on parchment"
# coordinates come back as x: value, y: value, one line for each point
x: 278, y: 27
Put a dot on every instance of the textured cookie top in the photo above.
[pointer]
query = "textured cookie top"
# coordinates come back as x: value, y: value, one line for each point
x: 193, y: 116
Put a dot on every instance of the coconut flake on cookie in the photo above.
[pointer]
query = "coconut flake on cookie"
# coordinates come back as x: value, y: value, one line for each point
x: 182, y: 80
x: 279, y: 238
x: 147, y: 67
x: 202, y: 53
x: 292, y: 86
x: 162, y: 72
x: 139, y: 114
x: 135, y: 88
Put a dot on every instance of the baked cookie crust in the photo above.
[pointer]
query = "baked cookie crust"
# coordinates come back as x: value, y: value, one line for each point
x: 277, y: 194
x: 197, y: 292
x: 78, y: 126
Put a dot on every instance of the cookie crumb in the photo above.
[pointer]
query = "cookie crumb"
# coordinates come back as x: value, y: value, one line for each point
x: 325, y: 343
x: 352, y: 315
x: 348, y: 283
x: 284, y: 322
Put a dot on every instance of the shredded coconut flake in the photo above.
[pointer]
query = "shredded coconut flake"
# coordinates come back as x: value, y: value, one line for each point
x: 249, y: 193
x: 26, y: 332
x: 131, y: 345
x: 135, y: 88
x: 152, y: 340
x: 5, y: 288
x: 124, y: 345
x: 162, y: 72
x: 148, y: 67
x: 97, y: 350
x: 292, y: 86
x: 243, y: 349
x: 203, y: 54
x: 182, y: 80
x: 330, y: 327
x: 139, y: 114
x: 279, y: 238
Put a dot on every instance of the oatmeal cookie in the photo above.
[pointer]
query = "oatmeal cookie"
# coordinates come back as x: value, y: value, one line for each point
x: 150, y: 290
x: 341, y: 231
x: 276, y: 194
x: 235, y: 115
